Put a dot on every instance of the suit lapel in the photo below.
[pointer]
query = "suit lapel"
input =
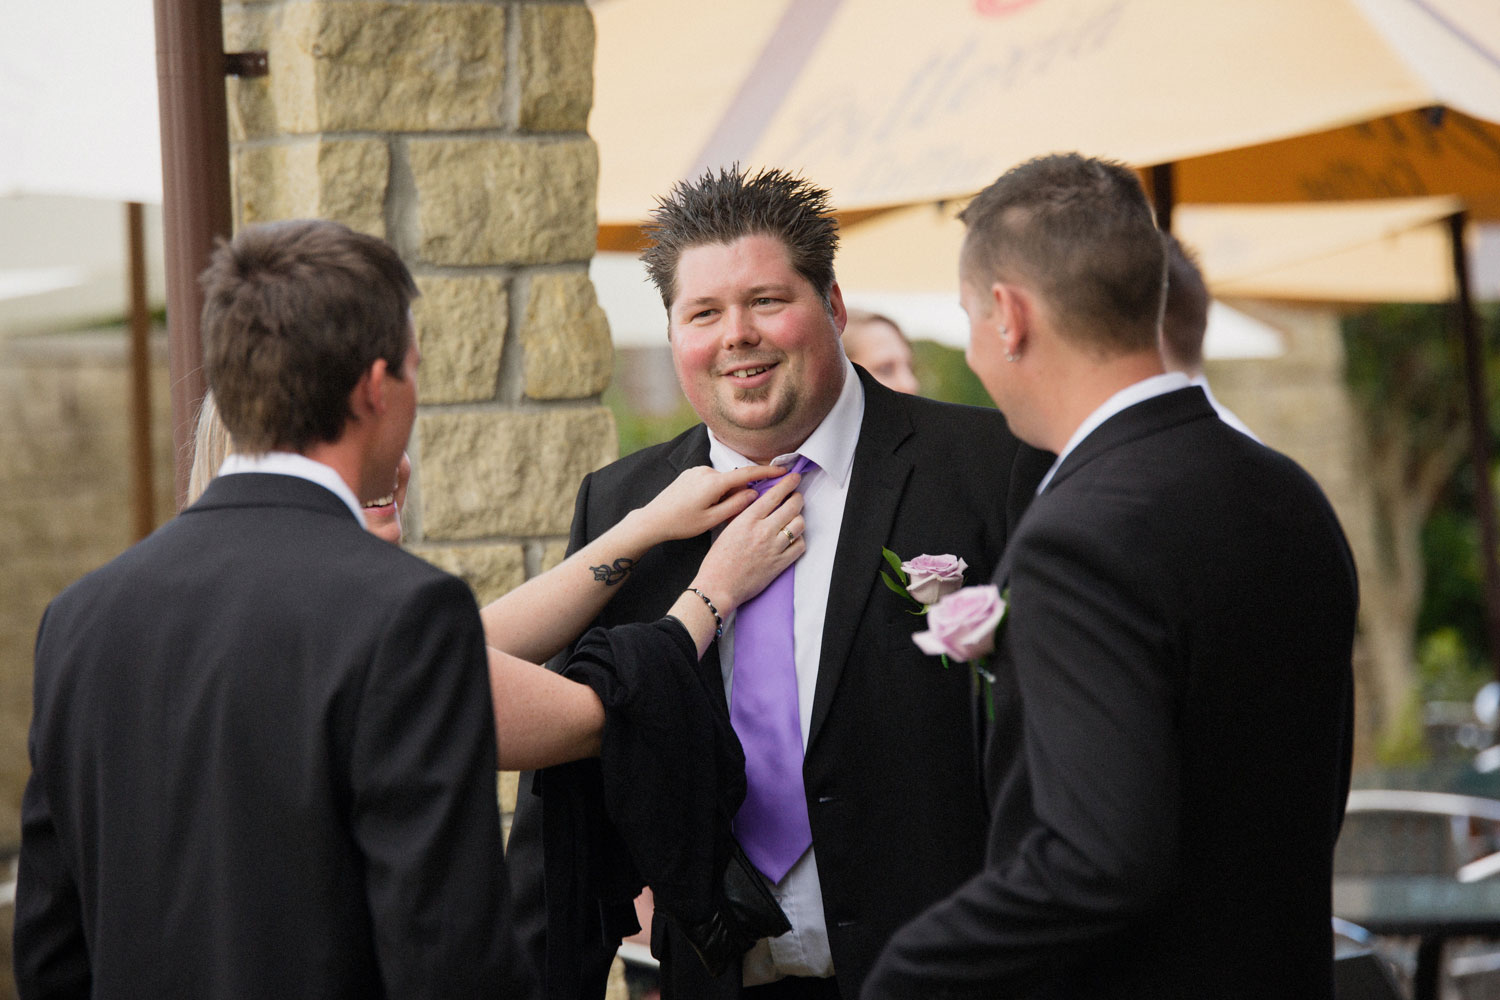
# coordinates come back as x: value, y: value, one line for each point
x: 691, y: 449
x: 876, y: 483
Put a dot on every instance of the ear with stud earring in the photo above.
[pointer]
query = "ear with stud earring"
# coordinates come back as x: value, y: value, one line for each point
x: 1009, y: 355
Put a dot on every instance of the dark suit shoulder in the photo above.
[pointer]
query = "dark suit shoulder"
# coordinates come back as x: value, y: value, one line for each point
x: 654, y: 461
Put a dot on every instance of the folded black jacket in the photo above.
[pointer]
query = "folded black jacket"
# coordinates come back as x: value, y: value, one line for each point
x: 654, y: 809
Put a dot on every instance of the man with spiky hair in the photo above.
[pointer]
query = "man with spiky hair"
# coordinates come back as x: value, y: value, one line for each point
x: 881, y: 799
x: 263, y: 755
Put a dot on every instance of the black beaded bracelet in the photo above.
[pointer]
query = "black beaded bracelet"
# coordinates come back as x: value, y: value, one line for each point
x: 718, y: 621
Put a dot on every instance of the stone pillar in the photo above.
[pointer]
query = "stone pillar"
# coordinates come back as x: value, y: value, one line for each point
x: 455, y: 130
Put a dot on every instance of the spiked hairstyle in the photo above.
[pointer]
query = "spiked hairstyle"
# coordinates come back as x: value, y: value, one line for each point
x: 722, y: 208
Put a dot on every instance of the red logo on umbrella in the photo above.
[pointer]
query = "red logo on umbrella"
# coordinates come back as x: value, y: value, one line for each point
x: 999, y: 8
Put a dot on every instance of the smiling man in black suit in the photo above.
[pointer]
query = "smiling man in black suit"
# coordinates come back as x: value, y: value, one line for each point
x: 1170, y: 755
x: 263, y: 755
x: 890, y: 806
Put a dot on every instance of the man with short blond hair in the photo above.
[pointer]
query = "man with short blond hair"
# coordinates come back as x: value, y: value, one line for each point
x: 1168, y: 764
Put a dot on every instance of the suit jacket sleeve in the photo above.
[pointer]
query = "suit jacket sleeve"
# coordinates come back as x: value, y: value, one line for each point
x: 424, y: 810
x: 524, y: 850
x: 1084, y: 650
x: 51, y: 955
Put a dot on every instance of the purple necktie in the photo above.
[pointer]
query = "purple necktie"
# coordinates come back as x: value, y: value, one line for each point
x: 772, y: 824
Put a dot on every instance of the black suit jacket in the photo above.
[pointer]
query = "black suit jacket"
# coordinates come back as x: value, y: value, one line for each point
x: 893, y: 788
x: 263, y: 765
x: 1171, y: 751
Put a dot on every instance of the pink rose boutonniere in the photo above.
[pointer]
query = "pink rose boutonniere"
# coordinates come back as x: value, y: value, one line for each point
x: 962, y: 622
x: 962, y: 626
x: 925, y: 579
x: 931, y: 578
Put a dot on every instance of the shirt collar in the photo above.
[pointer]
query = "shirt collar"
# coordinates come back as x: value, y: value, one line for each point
x: 287, y: 463
x: 831, y: 444
x: 1139, y: 392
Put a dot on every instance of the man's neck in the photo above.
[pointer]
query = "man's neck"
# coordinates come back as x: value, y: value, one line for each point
x: 1089, y: 386
x: 831, y: 443
x: 342, y: 460
x: 762, y: 446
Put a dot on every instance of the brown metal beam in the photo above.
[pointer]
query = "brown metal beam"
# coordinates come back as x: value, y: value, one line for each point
x: 195, y: 191
x: 142, y: 478
x: 1163, y: 195
x: 1479, y: 442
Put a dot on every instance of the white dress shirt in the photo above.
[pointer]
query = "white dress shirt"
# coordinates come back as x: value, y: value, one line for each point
x: 287, y: 463
x: 1225, y: 413
x: 1147, y: 388
x: 803, y: 951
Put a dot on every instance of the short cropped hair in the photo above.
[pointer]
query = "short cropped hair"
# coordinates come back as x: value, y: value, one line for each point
x: 1081, y: 232
x: 1185, y: 319
x: 294, y: 314
x: 722, y: 208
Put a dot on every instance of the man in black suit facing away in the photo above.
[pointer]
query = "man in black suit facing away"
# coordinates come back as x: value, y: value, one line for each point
x: 263, y: 754
x: 1170, y: 755
x: 891, y: 790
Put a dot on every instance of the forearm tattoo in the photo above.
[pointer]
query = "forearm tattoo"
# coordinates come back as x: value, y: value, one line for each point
x: 613, y: 574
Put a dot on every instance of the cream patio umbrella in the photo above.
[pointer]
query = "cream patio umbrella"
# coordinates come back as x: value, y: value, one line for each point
x: 888, y: 102
x: 1396, y: 250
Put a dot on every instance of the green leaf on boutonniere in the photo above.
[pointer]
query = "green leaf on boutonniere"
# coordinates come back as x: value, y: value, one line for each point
x: 895, y: 562
x: 896, y: 587
x: 944, y: 658
x: 899, y: 589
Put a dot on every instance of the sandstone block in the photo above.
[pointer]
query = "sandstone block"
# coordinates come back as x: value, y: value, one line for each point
x: 557, y: 67
x: 461, y: 325
x: 340, y: 179
x: 399, y: 67
x: 489, y: 570
x: 566, y: 338
x: 553, y: 553
x: 505, y: 201
x: 508, y: 472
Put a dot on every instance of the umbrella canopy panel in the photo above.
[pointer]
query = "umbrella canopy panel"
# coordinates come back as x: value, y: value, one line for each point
x: 887, y: 105
x: 1395, y: 250
x: 1432, y: 151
